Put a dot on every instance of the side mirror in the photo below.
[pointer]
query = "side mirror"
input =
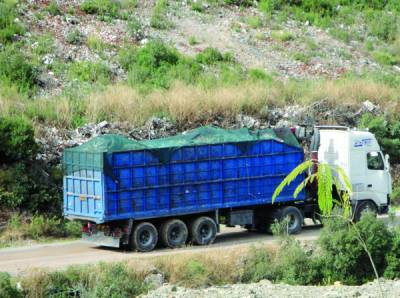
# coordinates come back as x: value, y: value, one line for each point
x: 387, y: 161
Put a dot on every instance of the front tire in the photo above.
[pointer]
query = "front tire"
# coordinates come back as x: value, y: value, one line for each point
x: 144, y: 237
x: 203, y: 231
x: 174, y: 233
x: 363, y: 207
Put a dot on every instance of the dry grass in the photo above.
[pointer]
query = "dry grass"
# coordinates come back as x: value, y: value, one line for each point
x: 193, y: 105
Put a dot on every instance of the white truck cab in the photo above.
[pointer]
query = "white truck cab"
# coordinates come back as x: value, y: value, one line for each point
x: 358, y: 153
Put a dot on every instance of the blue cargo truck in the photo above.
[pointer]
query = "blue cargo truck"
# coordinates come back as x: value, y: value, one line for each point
x: 178, y: 190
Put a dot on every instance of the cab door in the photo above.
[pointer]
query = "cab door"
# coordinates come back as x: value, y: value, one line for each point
x: 377, y: 178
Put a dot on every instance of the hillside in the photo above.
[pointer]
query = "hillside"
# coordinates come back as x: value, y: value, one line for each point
x: 74, y: 69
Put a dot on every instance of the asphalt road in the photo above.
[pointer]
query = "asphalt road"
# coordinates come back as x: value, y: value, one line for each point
x: 60, y: 255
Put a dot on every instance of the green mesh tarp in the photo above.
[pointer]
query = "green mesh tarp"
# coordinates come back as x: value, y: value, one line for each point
x: 108, y: 143
x: 213, y: 135
x: 90, y: 155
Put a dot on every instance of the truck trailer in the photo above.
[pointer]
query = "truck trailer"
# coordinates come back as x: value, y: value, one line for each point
x: 177, y: 190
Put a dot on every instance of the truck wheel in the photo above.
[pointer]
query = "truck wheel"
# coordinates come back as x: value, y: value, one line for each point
x: 295, y: 218
x: 363, y: 207
x: 203, y: 230
x: 144, y: 237
x: 174, y: 233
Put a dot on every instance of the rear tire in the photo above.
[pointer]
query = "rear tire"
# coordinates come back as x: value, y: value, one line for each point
x: 174, y: 233
x: 203, y: 231
x: 295, y: 217
x: 364, y: 206
x: 144, y: 237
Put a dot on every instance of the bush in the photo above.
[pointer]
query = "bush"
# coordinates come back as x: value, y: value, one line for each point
x: 392, y: 270
x: 210, y: 56
x: 90, y: 72
x: 135, y: 29
x: 257, y: 266
x: 73, y: 228
x: 53, y: 8
x: 386, y: 132
x: 101, y: 7
x: 7, y: 290
x: 384, y: 58
x: 9, y: 24
x: 75, y: 37
x: 17, y: 140
x: 41, y: 226
x: 16, y: 69
x: 158, y: 19
x: 344, y: 256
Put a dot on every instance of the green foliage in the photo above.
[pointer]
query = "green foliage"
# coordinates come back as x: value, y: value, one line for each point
x: 75, y: 37
x: 257, y: 266
x: 392, y: 270
x: 17, y: 140
x: 89, y: 72
x: 244, y: 3
x: 16, y: 69
x: 197, y: 6
x: 73, y: 228
x: 302, y: 57
x: 7, y: 289
x: 27, y: 186
x: 382, y: 24
x: 293, y: 265
x: 193, y: 41
x: 256, y: 74
x: 135, y: 29
x: 195, y: 273
x: 53, y: 8
x: 387, y: 132
x: 103, y: 8
x: 9, y: 24
x: 254, y: 22
x: 95, y: 44
x: 211, y: 56
x: 159, y: 19
x: 109, y: 280
x: 384, y: 58
x: 41, y: 226
x: 282, y: 36
x: 345, y: 257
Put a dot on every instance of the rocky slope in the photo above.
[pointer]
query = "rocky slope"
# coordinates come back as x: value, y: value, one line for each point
x: 266, y: 289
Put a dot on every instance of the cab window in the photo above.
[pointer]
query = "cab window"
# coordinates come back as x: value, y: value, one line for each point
x: 375, y: 161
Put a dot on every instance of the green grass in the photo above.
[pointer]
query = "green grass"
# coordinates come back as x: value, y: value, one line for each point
x: 159, y: 20
x: 254, y: 22
x: 282, y: 36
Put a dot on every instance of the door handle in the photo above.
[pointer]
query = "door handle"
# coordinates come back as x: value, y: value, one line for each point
x: 369, y: 185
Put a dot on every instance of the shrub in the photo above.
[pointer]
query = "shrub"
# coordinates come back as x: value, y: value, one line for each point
x: 53, y: 8
x: 16, y: 139
x: 90, y: 72
x: 239, y: 2
x: 9, y: 24
x: 210, y: 56
x: 135, y: 29
x: 101, y: 7
x: 345, y: 258
x: 257, y: 266
x: 158, y: 19
x: 75, y: 37
x: 282, y: 36
x: 195, y: 274
x: 384, y: 58
x: 41, y: 226
x: 73, y: 228
x: 7, y: 290
x: 16, y: 69
x: 254, y: 22
x: 386, y: 131
x: 392, y: 270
